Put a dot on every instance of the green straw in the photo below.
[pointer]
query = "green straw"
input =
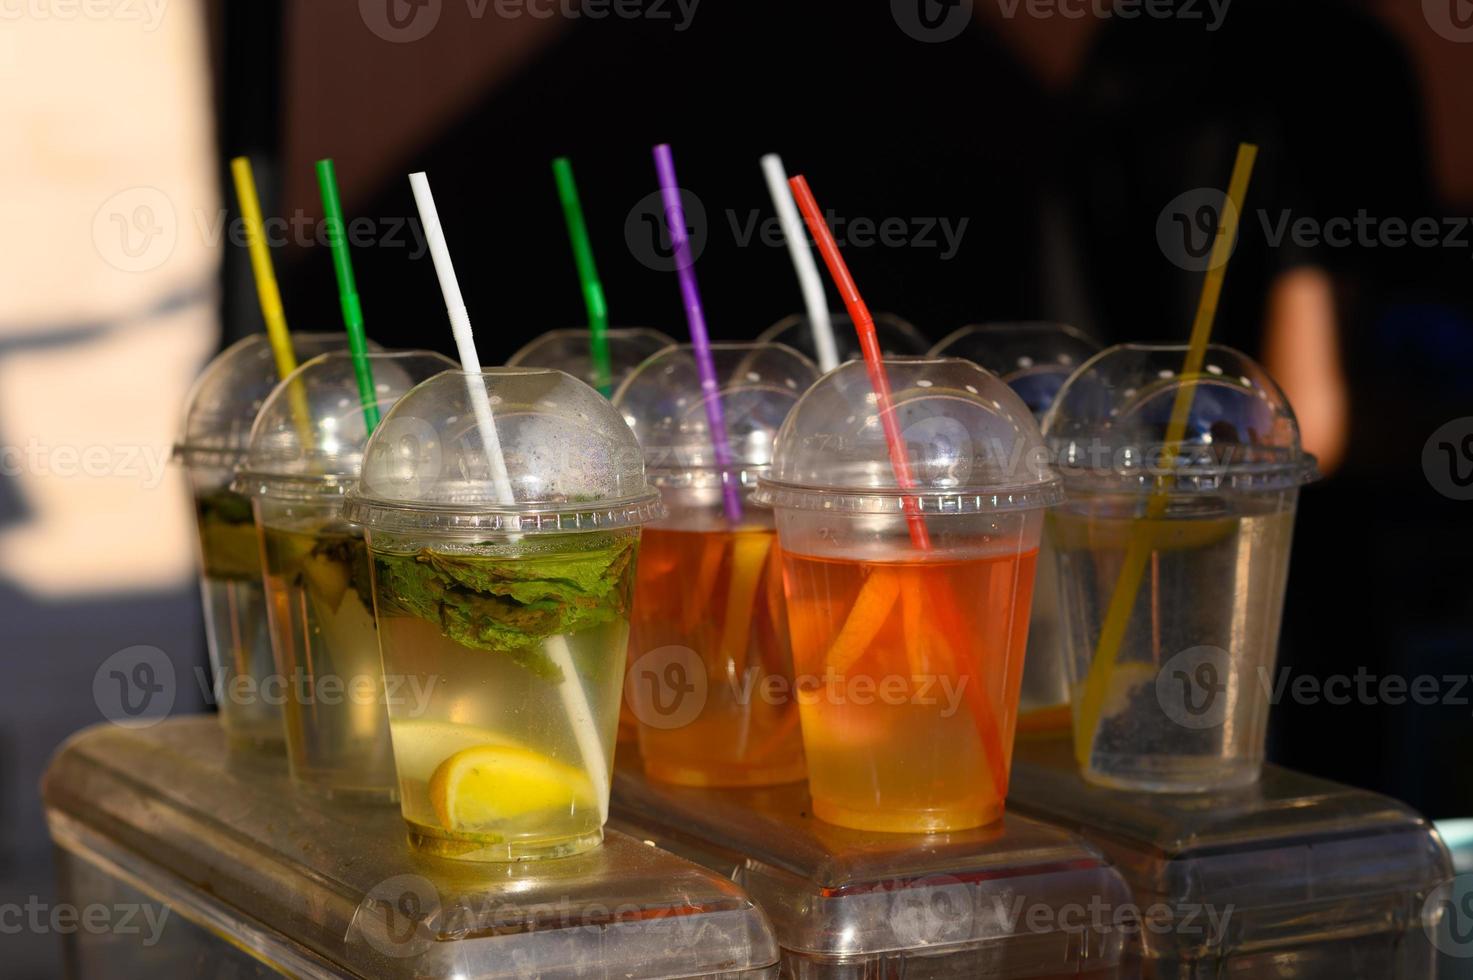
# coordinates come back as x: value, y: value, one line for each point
x: 342, y: 263
x: 593, y: 290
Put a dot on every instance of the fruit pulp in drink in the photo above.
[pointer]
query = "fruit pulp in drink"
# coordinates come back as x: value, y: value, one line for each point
x: 716, y: 596
x: 908, y: 678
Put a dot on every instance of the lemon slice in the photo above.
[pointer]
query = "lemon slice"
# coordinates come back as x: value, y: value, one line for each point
x: 420, y: 745
x: 480, y: 789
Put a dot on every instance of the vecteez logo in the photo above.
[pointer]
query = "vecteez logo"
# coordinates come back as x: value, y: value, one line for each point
x: 135, y: 687
x: 136, y: 230
x: 667, y: 687
x: 1193, y: 687
x: 1447, y: 917
x: 932, y: 21
x: 397, y: 916
x: 1447, y: 459
x: 647, y: 231
x: 1452, y: 20
x: 400, y: 21
x: 1188, y: 228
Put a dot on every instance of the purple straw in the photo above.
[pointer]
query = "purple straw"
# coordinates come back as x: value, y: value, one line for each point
x: 685, y: 267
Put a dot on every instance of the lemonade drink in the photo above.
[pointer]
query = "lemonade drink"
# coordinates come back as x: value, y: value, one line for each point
x: 320, y: 590
x: 489, y: 767
x: 213, y: 444
x: 236, y: 618
x: 306, y: 450
x: 504, y: 552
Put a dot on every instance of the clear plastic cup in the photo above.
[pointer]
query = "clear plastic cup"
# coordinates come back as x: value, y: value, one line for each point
x: 708, y: 598
x: 898, y: 338
x: 305, y: 454
x: 909, y: 657
x: 1177, y: 556
x: 512, y: 616
x: 568, y: 350
x: 216, y: 435
x: 1035, y: 359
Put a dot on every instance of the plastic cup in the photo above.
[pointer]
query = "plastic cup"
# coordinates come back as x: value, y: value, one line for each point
x: 216, y: 435
x: 512, y: 615
x: 319, y: 589
x: 708, y: 599
x: 1195, y: 539
x: 1035, y: 359
x: 898, y: 338
x: 909, y: 659
x: 567, y: 350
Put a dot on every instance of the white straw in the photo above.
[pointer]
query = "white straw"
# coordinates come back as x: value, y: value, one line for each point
x: 574, y: 697
x: 808, y: 278
x: 465, y: 340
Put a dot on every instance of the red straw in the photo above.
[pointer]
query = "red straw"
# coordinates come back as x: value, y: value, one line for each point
x: 979, y: 698
x: 864, y: 325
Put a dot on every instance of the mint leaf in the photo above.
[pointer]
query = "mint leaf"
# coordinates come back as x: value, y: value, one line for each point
x: 509, y: 605
x: 227, y: 536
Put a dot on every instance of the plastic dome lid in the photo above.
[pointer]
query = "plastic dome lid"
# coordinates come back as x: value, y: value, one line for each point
x: 1107, y: 428
x: 898, y: 338
x: 229, y: 394
x: 572, y: 463
x: 973, y: 445
x: 568, y: 350
x: 664, y: 404
x: 309, y: 435
x: 1035, y: 358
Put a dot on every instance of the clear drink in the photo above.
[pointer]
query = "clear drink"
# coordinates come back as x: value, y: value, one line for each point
x: 491, y: 767
x: 1182, y: 474
x: 1186, y: 707
x: 719, y: 593
x: 236, y: 619
x: 319, y: 585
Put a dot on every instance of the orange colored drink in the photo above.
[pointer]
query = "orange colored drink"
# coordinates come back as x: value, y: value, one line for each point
x: 710, y: 603
x: 908, y: 675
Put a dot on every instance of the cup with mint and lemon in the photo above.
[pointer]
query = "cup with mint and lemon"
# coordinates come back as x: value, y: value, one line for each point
x: 503, y: 621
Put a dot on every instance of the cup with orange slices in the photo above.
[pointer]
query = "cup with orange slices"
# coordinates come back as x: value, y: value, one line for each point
x: 908, y: 601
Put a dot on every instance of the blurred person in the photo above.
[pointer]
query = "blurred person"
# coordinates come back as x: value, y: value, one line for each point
x: 107, y: 311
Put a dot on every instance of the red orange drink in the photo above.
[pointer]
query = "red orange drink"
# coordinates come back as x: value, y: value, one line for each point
x: 908, y: 646
x: 908, y: 705
x: 710, y: 676
x: 720, y: 593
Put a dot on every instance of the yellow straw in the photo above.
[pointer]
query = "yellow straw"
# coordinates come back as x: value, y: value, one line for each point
x: 270, y: 296
x: 1127, y: 587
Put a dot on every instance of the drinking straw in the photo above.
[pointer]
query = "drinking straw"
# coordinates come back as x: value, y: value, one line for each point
x: 869, y: 343
x: 809, y: 281
x: 269, y: 295
x: 593, y: 289
x: 574, y: 697
x: 700, y: 340
x: 342, y: 263
x: 266, y: 289
x: 1138, y: 549
x: 881, y: 592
